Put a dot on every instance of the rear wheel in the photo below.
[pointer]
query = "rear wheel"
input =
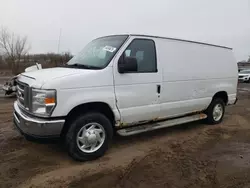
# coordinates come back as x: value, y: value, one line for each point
x: 215, y: 111
x: 89, y: 136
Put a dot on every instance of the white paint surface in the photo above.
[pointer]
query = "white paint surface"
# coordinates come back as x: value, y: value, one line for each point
x: 189, y: 74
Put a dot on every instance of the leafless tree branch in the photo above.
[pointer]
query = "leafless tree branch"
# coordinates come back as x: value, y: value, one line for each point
x: 13, y: 46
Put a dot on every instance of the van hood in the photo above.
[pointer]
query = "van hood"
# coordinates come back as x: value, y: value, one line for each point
x: 67, y: 78
x: 49, y: 74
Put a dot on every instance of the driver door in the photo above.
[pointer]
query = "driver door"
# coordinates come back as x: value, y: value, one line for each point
x: 138, y: 93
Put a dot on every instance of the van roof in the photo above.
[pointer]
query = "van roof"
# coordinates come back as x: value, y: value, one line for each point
x: 176, y: 39
x: 183, y: 40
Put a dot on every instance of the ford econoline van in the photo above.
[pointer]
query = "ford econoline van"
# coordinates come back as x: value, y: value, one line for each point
x: 125, y: 84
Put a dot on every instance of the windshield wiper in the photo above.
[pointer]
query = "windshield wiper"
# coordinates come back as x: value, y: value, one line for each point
x: 77, y: 65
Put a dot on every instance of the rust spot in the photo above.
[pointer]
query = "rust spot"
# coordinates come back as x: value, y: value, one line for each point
x: 156, y: 119
x: 120, y: 124
x: 202, y: 116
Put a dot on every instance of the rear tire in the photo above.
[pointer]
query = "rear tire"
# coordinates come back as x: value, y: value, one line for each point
x: 215, y: 111
x: 89, y: 136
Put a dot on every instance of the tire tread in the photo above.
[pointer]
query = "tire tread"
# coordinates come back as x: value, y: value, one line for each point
x: 209, y: 112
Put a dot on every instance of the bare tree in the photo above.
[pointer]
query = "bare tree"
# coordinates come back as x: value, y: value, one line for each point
x: 14, y: 48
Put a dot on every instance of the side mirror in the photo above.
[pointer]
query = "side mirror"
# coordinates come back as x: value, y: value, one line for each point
x: 127, y: 64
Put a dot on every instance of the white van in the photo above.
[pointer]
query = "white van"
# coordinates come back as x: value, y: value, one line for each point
x: 125, y: 84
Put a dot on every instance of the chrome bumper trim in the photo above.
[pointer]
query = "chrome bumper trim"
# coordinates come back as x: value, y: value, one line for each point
x: 36, y: 127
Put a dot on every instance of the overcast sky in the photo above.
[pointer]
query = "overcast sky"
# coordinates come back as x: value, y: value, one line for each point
x: 224, y: 22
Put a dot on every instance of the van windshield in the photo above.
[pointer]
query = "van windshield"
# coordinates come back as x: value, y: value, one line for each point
x: 98, y: 53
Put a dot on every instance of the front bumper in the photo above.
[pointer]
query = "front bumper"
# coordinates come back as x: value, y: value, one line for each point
x: 36, y: 127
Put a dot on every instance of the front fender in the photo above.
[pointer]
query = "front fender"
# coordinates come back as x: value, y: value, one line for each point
x: 67, y: 99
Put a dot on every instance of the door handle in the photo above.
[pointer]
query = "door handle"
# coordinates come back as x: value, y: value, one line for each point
x: 158, y: 89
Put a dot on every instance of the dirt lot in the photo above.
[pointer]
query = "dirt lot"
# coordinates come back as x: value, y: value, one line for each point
x: 192, y: 155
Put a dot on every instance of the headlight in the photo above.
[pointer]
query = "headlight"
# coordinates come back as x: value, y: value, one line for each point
x: 43, y: 102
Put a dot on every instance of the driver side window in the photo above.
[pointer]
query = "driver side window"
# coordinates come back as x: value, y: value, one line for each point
x: 144, y: 52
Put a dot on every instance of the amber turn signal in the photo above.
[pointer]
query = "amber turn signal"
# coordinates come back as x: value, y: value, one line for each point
x: 49, y: 100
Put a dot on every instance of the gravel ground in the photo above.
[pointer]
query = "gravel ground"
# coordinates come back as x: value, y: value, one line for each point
x: 191, y: 155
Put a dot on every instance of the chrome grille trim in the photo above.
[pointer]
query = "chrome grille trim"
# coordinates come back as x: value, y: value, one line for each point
x: 23, y: 95
x: 19, y: 88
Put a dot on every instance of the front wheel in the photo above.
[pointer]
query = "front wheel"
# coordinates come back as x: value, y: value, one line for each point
x: 89, y: 136
x: 215, y: 111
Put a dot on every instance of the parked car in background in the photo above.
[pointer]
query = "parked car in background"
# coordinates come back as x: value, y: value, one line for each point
x: 244, y: 75
x: 126, y: 84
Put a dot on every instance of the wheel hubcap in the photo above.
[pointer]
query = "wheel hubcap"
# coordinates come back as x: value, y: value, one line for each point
x: 217, y: 112
x: 90, y: 137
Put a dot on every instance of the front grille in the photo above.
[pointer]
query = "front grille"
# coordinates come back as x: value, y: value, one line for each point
x: 23, y: 95
x: 240, y: 76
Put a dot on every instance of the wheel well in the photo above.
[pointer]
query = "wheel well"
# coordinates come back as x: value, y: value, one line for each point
x: 222, y: 95
x: 87, y: 107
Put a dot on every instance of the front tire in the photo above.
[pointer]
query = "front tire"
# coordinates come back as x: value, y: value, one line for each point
x: 89, y: 136
x: 215, y: 111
